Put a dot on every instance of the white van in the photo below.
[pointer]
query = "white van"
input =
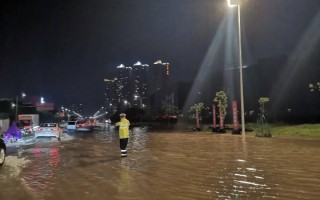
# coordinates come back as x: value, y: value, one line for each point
x: 72, y: 125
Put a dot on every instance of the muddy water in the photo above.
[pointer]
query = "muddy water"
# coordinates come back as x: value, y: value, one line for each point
x: 164, y: 166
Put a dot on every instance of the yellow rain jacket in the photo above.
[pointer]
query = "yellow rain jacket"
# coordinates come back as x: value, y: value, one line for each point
x: 123, y: 128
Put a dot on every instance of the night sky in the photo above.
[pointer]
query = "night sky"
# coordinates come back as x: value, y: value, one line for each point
x: 62, y: 50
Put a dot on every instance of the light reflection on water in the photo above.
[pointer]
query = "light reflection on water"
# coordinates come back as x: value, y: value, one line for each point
x: 167, y: 166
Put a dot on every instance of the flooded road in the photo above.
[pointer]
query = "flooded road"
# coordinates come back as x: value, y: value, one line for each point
x: 163, y: 166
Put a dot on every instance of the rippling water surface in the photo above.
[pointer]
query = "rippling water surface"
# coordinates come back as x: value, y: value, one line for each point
x: 164, y: 166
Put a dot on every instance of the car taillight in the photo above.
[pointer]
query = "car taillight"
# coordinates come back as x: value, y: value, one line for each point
x: 39, y: 129
x: 54, y: 129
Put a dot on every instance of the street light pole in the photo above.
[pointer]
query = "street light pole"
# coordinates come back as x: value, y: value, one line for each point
x: 16, y: 115
x: 233, y: 3
x: 241, y: 77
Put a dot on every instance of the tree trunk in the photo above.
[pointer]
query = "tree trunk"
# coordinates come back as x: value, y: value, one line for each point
x: 221, y: 120
x: 198, y: 121
x: 214, y: 122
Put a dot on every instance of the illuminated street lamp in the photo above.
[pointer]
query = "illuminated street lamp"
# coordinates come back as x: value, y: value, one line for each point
x: 233, y: 3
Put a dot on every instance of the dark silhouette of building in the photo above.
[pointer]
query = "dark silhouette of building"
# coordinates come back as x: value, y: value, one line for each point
x: 111, y: 96
x: 140, y: 93
x: 159, y: 84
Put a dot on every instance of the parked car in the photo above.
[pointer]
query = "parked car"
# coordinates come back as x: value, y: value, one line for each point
x: 49, y: 130
x: 2, y: 151
x: 72, y: 125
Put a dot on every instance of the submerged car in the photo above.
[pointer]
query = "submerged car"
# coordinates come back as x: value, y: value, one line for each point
x: 49, y: 130
x: 2, y: 151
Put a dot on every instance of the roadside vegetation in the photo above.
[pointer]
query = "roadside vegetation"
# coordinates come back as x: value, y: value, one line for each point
x: 312, y: 130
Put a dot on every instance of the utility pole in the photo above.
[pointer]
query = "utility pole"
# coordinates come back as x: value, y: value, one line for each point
x: 16, y: 115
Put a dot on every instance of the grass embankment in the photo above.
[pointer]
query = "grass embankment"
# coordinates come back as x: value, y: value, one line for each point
x: 312, y: 130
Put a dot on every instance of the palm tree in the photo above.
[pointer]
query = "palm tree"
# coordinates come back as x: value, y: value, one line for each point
x: 197, y: 108
x: 221, y: 100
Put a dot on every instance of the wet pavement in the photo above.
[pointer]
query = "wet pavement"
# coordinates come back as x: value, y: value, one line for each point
x: 184, y: 165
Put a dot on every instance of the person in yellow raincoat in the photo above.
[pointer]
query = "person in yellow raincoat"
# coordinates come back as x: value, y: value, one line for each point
x: 123, y: 133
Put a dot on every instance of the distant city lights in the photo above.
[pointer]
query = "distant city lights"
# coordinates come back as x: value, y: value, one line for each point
x: 137, y: 63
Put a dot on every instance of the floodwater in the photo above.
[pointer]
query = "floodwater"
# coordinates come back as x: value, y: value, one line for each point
x: 162, y: 166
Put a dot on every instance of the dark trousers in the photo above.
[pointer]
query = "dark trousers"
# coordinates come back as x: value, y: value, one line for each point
x: 123, y: 143
x: 123, y: 146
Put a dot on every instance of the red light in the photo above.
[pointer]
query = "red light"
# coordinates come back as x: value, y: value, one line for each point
x: 54, y: 129
x: 37, y: 150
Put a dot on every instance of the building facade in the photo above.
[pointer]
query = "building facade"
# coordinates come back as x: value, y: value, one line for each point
x: 111, y: 96
x: 159, y: 85
x: 141, y: 86
x: 140, y: 93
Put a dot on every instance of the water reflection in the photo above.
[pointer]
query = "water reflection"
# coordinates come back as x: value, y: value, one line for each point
x: 138, y: 139
x: 168, y: 166
x: 247, y: 178
x: 44, y: 168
